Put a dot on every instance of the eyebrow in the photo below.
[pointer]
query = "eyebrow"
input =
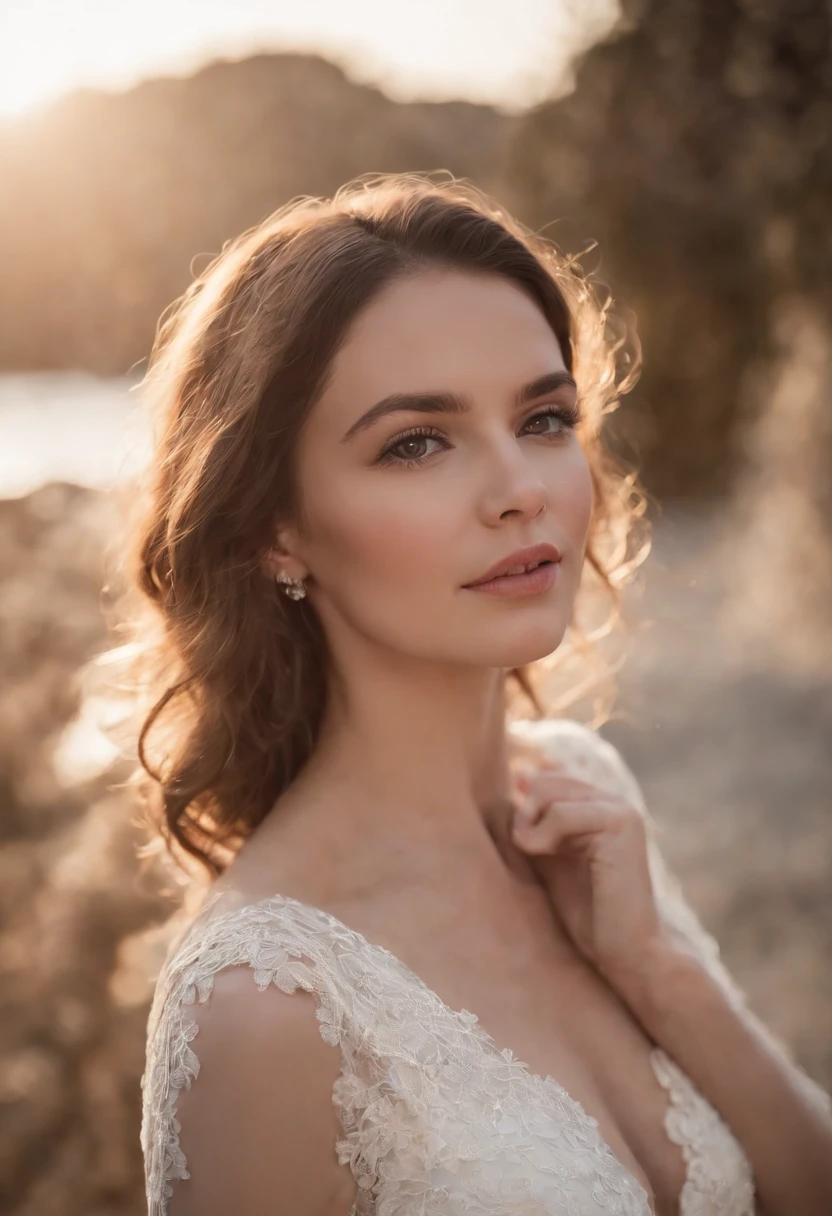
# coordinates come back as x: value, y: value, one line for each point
x: 451, y: 403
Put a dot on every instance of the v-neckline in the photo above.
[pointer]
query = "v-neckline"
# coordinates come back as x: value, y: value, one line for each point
x: 463, y: 1017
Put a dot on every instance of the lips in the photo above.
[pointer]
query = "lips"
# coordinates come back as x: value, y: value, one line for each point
x: 519, y: 561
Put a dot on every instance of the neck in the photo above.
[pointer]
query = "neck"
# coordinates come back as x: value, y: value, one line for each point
x: 413, y: 762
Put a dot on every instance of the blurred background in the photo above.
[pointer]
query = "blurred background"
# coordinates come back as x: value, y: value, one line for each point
x: 691, y: 142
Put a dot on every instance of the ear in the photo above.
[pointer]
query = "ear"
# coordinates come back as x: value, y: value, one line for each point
x: 282, y: 555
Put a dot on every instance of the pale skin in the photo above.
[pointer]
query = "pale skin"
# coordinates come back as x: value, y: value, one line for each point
x: 407, y: 822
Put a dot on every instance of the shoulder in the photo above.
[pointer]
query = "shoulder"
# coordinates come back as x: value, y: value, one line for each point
x: 243, y: 1056
x: 258, y: 1126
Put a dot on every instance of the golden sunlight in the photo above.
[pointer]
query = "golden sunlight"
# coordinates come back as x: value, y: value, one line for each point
x: 436, y: 49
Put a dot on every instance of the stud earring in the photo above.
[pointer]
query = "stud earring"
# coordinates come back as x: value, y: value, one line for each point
x: 293, y: 587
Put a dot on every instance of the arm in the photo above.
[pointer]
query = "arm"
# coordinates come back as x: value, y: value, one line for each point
x: 781, y: 1120
x: 689, y: 1003
x: 674, y: 981
x: 258, y: 1127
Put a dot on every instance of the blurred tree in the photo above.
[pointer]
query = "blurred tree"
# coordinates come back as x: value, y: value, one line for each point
x: 696, y: 149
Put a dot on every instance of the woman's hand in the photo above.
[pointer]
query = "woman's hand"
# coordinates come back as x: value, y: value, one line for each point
x: 589, y: 849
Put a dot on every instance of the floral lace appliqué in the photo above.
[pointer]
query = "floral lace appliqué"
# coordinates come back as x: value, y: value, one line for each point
x: 719, y: 1178
x: 437, y: 1121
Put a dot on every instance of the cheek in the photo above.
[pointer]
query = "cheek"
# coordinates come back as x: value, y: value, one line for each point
x: 572, y: 499
x: 403, y: 536
x: 382, y: 536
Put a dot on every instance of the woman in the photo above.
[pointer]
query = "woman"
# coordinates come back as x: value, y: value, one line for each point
x: 442, y: 968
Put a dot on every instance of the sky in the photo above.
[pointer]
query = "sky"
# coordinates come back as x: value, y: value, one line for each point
x: 508, y: 54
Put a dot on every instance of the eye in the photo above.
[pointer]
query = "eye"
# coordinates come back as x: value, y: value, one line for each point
x: 408, y: 448
x: 567, y: 415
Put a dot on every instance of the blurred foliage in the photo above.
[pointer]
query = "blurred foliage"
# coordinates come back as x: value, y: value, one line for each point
x: 697, y: 149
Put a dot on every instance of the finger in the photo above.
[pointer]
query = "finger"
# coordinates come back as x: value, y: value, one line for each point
x: 524, y: 777
x: 556, y: 788
x: 563, y: 821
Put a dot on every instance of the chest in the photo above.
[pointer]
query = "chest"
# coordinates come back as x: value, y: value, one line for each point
x: 510, y: 1070
x: 535, y: 996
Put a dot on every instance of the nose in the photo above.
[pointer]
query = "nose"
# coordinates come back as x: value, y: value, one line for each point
x: 513, y: 484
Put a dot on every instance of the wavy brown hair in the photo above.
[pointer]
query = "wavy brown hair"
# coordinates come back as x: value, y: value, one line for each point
x: 229, y: 677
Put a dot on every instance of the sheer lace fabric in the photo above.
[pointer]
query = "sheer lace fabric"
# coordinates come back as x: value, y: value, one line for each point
x: 436, y: 1119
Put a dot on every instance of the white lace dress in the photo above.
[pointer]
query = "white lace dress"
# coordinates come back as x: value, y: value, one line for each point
x: 436, y: 1119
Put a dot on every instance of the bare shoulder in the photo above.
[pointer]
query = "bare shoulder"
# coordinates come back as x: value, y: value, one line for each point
x: 258, y: 1126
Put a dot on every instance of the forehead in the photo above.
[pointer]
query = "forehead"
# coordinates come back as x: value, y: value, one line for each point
x: 440, y: 330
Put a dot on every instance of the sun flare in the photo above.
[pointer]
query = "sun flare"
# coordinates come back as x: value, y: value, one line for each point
x: 450, y: 48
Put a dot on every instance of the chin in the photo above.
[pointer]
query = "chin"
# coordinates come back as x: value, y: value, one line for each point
x: 527, y: 646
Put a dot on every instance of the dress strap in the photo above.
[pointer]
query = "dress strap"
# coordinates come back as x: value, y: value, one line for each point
x: 285, y: 944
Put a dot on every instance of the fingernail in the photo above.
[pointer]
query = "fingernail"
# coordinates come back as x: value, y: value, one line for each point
x: 523, y: 778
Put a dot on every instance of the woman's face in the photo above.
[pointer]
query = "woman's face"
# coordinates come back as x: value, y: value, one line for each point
x: 402, y: 507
